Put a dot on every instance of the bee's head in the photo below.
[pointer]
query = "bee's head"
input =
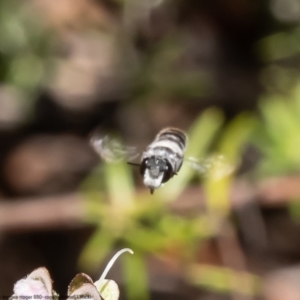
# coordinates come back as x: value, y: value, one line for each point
x: 153, y: 170
x: 156, y: 166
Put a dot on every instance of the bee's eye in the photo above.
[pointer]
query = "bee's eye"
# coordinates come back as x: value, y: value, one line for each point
x: 165, y: 168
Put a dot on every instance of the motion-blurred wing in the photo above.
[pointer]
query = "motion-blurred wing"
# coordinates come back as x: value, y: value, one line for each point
x: 111, y: 149
x: 216, y: 166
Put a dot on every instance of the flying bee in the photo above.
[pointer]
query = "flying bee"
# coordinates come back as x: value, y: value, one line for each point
x: 163, y: 157
x: 161, y: 160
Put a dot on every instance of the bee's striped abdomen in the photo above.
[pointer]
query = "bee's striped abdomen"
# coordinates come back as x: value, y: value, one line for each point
x: 172, y: 135
x: 163, y: 157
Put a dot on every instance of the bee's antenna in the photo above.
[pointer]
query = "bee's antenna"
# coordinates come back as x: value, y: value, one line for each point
x: 133, y: 164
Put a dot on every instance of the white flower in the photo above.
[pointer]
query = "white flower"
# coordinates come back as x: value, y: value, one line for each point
x: 30, y: 287
x: 37, y: 285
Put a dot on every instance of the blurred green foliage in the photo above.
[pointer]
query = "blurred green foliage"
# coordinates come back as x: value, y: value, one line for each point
x: 280, y: 45
x: 278, y: 133
x: 25, y: 45
x: 25, y: 56
x: 143, y: 222
x: 224, y: 280
x: 231, y: 143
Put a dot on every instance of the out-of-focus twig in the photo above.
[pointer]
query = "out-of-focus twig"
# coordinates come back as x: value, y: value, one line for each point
x: 66, y: 211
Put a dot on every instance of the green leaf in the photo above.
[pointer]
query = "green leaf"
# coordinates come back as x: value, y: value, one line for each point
x: 135, y: 276
x: 98, y: 246
x: 120, y: 184
x: 145, y: 239
x: 218, y: 182
x: 234, y: 137
x: 223, y: 279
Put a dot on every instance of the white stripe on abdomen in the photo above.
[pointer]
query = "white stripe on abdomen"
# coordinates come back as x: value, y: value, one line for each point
x: 167, y: 144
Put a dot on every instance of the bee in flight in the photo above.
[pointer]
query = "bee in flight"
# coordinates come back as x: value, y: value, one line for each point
x: 163, y: 157
x: 161, y: 160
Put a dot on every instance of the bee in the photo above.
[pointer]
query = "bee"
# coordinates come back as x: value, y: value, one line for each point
x: 163, y: 157
x: 161, y: 160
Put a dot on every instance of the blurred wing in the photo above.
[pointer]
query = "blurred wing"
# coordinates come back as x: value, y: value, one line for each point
x: 216, y: 166
x: 111, y: 149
